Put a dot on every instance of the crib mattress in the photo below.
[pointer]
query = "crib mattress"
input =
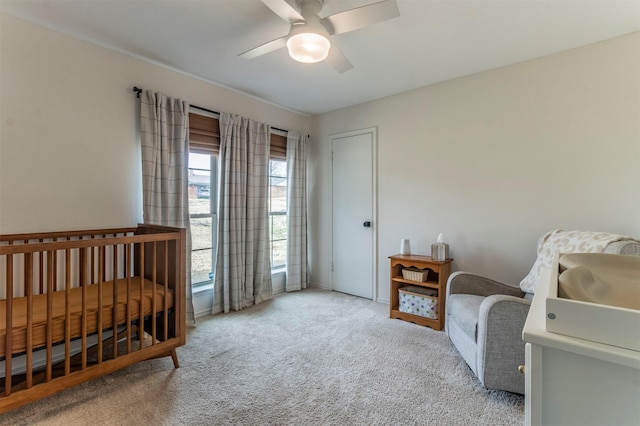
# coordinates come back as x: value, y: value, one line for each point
x: 39, y: 328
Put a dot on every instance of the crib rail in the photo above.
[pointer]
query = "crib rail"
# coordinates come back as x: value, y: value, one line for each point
x: 77, y: 305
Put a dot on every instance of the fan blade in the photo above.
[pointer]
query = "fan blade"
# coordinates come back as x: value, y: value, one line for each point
x: 359, y: 17
x: 284, y: 10
x: 337, y: 59
x: 265, y: 48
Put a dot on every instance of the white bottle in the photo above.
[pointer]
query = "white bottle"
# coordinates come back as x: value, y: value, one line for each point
x: 405, y: 246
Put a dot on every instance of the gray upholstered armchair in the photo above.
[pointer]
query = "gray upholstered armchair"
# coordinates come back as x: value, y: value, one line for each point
x: 485, y: 318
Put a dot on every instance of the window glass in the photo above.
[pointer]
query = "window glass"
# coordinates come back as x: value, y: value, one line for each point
x: 202, y: 215
x: 278, y: 212
x: 202, y: 212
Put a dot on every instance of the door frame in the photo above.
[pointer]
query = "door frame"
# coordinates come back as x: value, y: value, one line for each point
x: 374, y: 200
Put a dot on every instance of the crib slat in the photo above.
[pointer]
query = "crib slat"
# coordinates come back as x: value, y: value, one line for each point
x: 49, y: 315
x: 141, y: 307
x: 114, y: 315
x: 9, y: 325
x: 179, y: 272
x: 83, y: 323
x: 127, y: 273
x: 101, y: 267
x: 154, y: 273
x: 28, y: 279
x: 165, y: 304
x: 67, y: 313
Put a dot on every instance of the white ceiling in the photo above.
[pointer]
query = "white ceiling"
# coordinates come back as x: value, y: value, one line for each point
x: 431, y: 41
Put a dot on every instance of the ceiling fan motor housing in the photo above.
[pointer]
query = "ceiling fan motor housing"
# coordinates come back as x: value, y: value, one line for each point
x: 309, y: 6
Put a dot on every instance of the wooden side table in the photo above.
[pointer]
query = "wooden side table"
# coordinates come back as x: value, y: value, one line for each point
x: 438, y: 275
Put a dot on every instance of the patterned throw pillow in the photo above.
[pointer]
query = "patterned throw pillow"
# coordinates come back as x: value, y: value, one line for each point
x: 559, y: 241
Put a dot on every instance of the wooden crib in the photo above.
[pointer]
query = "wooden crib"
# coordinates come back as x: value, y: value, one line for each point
x: 78, y: 305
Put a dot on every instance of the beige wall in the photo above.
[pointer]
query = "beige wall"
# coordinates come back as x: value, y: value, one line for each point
x: 69, y: 158
x: 495, y: 159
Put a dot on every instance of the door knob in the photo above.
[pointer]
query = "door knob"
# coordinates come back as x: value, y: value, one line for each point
x: 367, y: 224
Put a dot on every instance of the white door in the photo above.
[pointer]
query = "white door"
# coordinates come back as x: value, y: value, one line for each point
x: 353, y: 212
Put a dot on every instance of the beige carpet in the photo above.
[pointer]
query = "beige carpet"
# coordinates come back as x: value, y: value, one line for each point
x: 305, y: 358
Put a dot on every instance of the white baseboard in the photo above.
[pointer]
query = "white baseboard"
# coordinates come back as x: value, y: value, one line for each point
x: 320, y: 286
x: 202, y: 302
x: 203, y: 298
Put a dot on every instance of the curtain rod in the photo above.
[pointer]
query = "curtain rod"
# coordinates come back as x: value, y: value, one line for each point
x: 138, y: 90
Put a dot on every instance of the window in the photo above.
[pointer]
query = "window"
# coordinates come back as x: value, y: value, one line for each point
x: 202, y: 214
x: 278, y: 213
x: 204, y: 145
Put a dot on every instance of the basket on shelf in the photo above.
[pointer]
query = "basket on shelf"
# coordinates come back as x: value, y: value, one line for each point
x: 415, y: 274
x: 418, y: 301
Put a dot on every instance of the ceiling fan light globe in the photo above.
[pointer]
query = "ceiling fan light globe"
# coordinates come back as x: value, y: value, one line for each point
x: 308, y: 47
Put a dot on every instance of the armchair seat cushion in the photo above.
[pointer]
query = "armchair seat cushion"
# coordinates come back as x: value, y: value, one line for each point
x: 465, y: 309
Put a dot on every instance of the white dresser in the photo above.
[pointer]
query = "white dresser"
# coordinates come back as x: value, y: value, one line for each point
x: 572, y: 381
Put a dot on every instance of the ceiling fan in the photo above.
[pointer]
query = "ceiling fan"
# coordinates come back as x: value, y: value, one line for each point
x: 308, y: 38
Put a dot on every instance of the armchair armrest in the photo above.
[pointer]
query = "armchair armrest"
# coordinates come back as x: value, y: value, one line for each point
x: 468, y: 283
x: 503, y: 310
x: 500, y: 346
